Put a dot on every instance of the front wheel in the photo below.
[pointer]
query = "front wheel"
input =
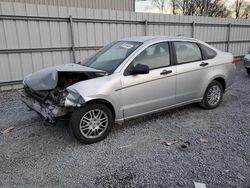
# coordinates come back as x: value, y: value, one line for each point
x: 212, y: 96
x: 248, y: 70
x: 91, y: 123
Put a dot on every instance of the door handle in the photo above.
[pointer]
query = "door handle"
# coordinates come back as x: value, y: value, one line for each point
x: 203, y: 64
x: 165, y: 72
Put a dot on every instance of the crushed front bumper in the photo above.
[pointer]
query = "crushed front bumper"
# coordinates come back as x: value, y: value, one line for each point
x: 48, y: 111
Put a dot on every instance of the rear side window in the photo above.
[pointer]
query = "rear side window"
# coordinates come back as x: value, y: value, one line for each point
x: 208, y: 53
x: 187, y: 52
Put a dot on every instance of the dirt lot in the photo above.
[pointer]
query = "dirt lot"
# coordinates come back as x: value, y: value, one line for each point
x: 35, y: 155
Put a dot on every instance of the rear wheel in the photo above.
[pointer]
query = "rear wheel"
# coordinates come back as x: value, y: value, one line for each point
x: 212, y: 96
x: 91, y: 123
x: 248, y: 70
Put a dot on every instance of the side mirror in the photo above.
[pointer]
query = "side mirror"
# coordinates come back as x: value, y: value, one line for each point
x: 139, y: 69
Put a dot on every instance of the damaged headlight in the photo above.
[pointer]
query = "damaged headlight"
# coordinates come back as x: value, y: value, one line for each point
x: 73, y: 99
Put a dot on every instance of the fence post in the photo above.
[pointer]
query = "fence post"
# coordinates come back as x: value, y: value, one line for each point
x: 72, y: 38
x: 146, y: 27
x: 228, y: 36
x: 193, y: 29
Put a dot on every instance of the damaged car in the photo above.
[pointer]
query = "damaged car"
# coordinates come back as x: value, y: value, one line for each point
x: 129, y: 78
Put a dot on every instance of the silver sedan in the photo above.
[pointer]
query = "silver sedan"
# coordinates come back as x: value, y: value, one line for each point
x: 130, y: 78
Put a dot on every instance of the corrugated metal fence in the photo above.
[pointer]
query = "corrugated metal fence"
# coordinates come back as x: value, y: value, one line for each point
x: 36, y: 36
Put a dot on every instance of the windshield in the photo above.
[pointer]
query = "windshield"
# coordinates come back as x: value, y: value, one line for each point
x: 111, y: 56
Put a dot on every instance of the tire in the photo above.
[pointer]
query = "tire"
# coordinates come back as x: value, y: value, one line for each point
x: 207, y: 102
x: 248, y: 70
x: 91, y: 123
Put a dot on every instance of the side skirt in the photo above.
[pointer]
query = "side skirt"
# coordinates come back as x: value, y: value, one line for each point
x: 120, y: 121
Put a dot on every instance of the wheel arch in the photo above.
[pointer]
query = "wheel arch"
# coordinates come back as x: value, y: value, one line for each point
x: 218, y: 78
x: 222, y: 81
x: 105, y: 102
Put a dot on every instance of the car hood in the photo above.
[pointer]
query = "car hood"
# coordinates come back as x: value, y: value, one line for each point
x: 47, y: 79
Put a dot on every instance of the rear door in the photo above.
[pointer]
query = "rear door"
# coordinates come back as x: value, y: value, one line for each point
x: 193, y: 71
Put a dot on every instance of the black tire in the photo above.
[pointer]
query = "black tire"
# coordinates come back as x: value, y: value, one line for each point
x: 76, y: 119
x: 205, y: 101
x: 248, y: 70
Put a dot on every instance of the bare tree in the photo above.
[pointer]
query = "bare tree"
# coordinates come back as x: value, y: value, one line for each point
x: 174, y: 6
x: 218, y: 8
x: 246, y: 13
x: 238, y: 7
x: 187, y: 7
x: 160, y: 4
x: 215, y: 8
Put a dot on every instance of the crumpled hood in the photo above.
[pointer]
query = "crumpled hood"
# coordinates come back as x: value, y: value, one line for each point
x: 46, y: 79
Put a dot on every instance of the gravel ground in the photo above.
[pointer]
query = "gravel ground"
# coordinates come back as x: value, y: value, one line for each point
x: 35, y: 155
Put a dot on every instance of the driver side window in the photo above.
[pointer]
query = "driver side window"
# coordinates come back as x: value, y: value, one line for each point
x: 155, y: 56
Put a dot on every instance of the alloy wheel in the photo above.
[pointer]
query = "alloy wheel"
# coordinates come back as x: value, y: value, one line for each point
x: 93, y: 123
x: 214, y: 95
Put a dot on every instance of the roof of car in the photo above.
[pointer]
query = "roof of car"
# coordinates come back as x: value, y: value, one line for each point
x: 154, y: 38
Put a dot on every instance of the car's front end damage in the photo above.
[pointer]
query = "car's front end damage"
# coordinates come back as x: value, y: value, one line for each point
x: 47, y: 92
x: 47, y: 108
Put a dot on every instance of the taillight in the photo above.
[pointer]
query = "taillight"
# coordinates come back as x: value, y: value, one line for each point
x: 234, y: 61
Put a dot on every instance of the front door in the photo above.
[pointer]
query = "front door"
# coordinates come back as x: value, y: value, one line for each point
x: 142, y: 94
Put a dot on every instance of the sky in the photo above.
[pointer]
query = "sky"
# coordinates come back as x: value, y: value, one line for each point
x: 147, y: 6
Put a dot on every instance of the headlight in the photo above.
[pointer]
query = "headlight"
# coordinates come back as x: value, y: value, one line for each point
x: 73, y: 99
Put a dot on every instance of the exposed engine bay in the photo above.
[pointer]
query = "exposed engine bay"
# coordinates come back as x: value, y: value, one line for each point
x: 66, y: 79
x: 46, y: 91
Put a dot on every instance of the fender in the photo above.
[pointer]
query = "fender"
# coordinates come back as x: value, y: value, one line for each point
x: 210, y: 80
x: 102, y: 88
